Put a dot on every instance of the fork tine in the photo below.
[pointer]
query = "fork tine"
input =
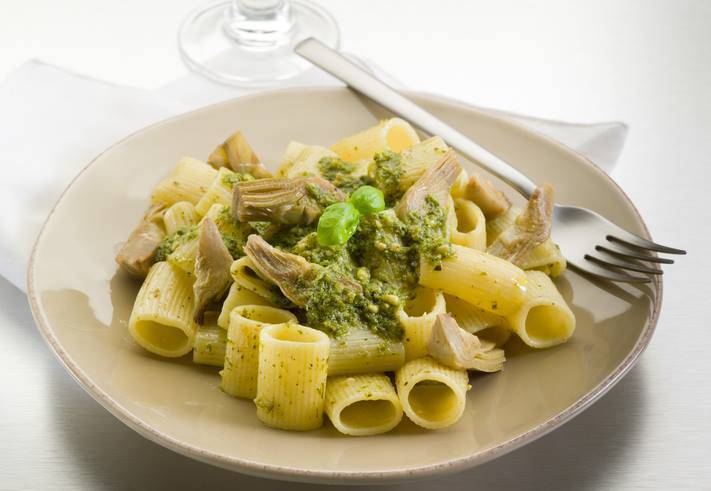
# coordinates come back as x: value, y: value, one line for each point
x: 630, y: 240
x: 623, y: 265
x: 633, y: 255
x: 606, y: 274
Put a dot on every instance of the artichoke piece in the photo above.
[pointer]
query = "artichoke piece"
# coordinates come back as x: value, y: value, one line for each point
x: 435, y: 183
x: 237, y: 154
x: 453, y: 346
x: 298, y: 201
x: 137, y: 253
x: 212, y: 268
x: 482, y: 192
x: 531, y: 228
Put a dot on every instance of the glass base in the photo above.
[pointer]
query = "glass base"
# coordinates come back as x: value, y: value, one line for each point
x: 207, y: 47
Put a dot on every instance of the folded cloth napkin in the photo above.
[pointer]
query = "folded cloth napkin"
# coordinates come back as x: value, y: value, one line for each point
x: 52, y: 123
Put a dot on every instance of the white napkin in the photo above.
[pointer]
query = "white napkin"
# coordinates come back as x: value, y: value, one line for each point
x: 52, y: 123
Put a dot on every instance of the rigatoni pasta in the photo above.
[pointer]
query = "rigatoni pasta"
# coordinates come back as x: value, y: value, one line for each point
x: 544, y: 319
x: 361, y: 351
x: 237, y: 296
x: 291, y: 389
x: 189, y: 181
x: 210, y: 343
x: 432, y: 395
x: 241, y: 363
x: 362, y: 281
x: 362, y: 405
x: 162, y: 316
x: 180, y: 215
x: 391, y: 134
x: 479, y: 278
x: 470, y: 229
x: 417, y: 316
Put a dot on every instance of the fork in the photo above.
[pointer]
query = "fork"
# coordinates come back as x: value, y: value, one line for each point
x: 591, y: 243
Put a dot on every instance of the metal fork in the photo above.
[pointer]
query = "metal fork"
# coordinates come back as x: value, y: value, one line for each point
x: 590, y: 242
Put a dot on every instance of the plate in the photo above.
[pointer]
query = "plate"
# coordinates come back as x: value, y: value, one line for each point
x: 81, y: 304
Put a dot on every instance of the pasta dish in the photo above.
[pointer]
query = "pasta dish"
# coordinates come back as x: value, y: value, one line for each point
x: 364, y: 281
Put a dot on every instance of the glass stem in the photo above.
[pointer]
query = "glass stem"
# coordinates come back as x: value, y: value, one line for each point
x: 260, y: 24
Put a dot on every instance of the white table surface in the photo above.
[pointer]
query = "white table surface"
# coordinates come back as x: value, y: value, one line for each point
x: 647, y: 63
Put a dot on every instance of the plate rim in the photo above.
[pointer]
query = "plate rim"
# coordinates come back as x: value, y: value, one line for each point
x: 259, y: 469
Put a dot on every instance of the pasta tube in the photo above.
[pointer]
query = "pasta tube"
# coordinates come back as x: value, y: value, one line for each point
x: 361, y: 351
x: 188, y: 182
x: 291, y: 387
x: 496, y: 225
x: 432, y: 395
x: 245, y: 274
x: 481, y: 279
x: 419, y: 157
x: 302, y: 160
x: 417, y: 317
x: 239, y: 375
x: 363, y: 404
x: 183, y: 256
x: 460, y: 185
x: 390, y: 134
x: 162, y: 316
x: 544, y: 319
x: 210, y: 343
x: 485, y: 325
x: 219, y: 191
x: 179, y: 216
x: 545, y: 257
x: 238, y: 295
x: 470, y: 229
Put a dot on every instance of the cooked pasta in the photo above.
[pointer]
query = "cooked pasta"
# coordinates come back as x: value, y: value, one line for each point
x: 545, y: 257
x: 487, y: 326
x: 479, y: 278
x: 470, y: 228
x: 419, y: 157
x: 313, y: 287
x: 432, y: 395
x: 210, y: 343
x: 244, y: 274
x: 162, y: 316
x: 189, y: 181
x: 219, y: 191
x: 303, y: 160
x: 417, y: 316
x: 362, y: 405
x: 544, y: 319
x: 293, y: 365
x: 181, y: 215
x: 361, y: 351
x: 241, y: 362
x: 391, y: 134
x: 237, y: 296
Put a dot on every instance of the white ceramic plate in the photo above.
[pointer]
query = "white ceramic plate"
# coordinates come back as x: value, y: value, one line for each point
x: 81, y: 303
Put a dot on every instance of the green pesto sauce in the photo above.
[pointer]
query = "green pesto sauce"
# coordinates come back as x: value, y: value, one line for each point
x: 234, y: 234
x: 232, y: 178
x: 330, y: 305
x: 427, y: 228
x: 286, y: 237
x: 386, y: 172
x: 323, y: 198
x: 340, y: 174
x: 335, y: 257
x: 383, y: 257
x: 172, y: 241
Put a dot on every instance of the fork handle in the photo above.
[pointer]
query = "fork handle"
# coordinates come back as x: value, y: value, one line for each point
x: 341, y: 68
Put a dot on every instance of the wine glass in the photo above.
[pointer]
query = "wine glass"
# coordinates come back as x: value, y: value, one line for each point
x: 251, y: 42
